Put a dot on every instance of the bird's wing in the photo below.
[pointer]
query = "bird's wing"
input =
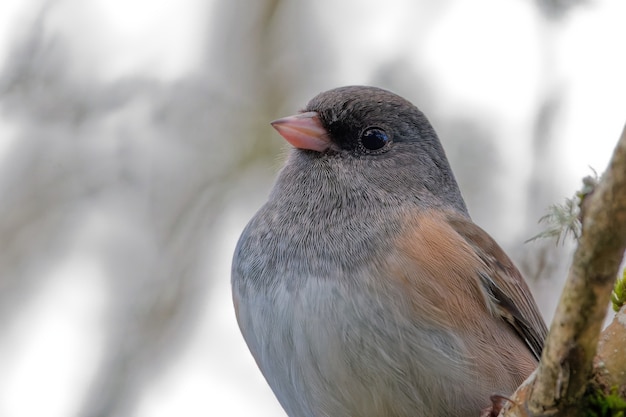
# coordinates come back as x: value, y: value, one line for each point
x: 507, y: 290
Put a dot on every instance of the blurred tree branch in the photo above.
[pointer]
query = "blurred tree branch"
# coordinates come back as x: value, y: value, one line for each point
x: 155, y: 161
x: 564, y: 375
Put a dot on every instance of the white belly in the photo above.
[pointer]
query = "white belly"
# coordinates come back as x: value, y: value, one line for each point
x: 333, y: 348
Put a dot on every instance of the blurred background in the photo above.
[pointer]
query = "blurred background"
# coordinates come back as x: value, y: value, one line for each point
x: 135, y: 144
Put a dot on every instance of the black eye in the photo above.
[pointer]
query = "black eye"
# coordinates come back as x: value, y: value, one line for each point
x: 374, y: 138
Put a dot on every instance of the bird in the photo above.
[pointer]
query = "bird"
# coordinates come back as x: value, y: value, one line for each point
x: 362, y: 287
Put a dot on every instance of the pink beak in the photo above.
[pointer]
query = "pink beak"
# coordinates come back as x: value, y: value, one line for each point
x: 304, y: 131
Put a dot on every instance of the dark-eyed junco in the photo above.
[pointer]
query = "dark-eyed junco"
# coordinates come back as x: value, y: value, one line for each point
x: 363, y: 288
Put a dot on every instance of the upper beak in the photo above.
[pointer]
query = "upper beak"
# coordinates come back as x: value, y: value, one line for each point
x: 304, y: 131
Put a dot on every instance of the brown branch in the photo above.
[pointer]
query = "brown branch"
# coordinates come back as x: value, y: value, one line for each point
x: 558, y: 385
x: 609, y: 366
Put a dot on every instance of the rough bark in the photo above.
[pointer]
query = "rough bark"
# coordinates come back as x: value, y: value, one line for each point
x: 567, y: 363
x: 609, y: 366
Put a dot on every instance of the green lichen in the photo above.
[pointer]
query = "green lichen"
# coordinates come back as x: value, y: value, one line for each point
x: 599, y: 404
x: 563, y: 220
x: 618, y: 296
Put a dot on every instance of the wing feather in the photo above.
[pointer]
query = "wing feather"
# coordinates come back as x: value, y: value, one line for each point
x: 508, y: 292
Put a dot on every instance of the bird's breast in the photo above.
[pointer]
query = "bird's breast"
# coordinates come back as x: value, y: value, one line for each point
x: 327, y: 324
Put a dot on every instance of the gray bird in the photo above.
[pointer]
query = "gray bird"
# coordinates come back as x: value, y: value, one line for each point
x: 363, y: 288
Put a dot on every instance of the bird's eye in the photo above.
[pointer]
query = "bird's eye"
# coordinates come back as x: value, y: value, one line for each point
x: 374, y: 139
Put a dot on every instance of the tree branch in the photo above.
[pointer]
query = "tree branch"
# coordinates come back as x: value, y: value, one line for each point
x: 558, y: 385
x: 609, y: 366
